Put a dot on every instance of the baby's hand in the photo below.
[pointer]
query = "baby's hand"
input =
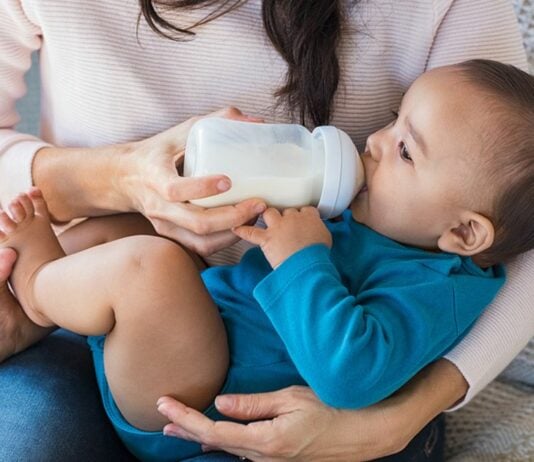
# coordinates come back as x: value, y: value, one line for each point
x: 286, y: 233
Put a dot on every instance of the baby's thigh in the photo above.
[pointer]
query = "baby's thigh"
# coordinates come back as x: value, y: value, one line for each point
x: 169, y: 338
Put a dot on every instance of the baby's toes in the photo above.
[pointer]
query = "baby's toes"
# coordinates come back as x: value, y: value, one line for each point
x: 7, y: 225
x: 38, y: 202
x: 17, y: 211
x: 26, y: 203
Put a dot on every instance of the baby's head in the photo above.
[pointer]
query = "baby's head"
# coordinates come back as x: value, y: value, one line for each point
x: 455, y: 170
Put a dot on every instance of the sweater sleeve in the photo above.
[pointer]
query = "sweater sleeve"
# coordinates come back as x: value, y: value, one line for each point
x: 502, y: 331
x: 356, y: 349
x: 488, y: 29
x: 19, y: 37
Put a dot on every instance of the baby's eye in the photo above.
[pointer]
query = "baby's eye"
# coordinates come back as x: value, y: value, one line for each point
x: 403, y: 152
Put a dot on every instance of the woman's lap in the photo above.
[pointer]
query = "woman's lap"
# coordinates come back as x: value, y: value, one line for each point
x: 51, y: 410
x: 51, y: 407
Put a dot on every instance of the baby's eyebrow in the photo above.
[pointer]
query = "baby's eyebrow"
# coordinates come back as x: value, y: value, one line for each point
x: 417, y: 137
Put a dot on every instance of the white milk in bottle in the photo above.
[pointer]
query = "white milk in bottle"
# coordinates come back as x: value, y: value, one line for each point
x: 283, y: 164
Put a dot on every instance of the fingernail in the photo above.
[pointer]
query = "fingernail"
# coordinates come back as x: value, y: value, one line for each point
x: 162, y: 409
x: 222, y: 402
x: 223, y: 185
x: 170, y: 433
x: 260, y: 208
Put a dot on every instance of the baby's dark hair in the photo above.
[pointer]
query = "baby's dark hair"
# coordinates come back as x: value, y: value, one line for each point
x: 509, y: 156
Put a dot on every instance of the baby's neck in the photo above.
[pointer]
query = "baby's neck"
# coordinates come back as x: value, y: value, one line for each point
x: 436, y: 249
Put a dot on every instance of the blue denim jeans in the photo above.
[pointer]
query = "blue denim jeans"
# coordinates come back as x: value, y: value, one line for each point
x: 50, y: 410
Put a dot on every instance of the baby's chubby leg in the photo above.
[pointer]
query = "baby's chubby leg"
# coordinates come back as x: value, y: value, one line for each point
x: 99, y: 230
x: 164, y: 333
x: 17, y: 332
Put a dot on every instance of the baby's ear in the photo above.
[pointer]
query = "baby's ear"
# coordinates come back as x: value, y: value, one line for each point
x: 472, y: 236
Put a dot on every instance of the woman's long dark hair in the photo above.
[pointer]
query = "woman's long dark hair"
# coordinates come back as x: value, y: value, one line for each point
x: 306, y: 33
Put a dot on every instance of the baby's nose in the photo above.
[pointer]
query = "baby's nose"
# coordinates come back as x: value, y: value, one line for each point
x: 372, y: 148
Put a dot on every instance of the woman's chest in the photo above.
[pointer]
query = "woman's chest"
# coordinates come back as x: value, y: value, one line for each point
x: 106, y: 80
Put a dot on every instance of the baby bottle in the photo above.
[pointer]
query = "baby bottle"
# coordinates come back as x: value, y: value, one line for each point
x: 283, y: 164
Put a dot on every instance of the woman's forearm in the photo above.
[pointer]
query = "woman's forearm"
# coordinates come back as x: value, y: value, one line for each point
x: 142, y: 177
x: 502, y: 331
x: 81, y: 182
x: 433, y: 390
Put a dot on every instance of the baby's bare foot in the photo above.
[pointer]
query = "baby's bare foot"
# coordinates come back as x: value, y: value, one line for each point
x: 27, y: 230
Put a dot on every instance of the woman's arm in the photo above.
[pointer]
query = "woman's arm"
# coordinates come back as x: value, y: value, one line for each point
x: 501, y: 332
x: 139, y: 176
x: 143, y: 177
x: 108, y: 179
x: 89, y: 183
x: 304, y: 429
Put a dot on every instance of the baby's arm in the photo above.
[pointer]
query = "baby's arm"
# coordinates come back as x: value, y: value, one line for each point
x: 354, y: 351
x: 369, y: 344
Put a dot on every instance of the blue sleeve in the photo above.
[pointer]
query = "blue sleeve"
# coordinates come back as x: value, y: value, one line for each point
x: 355, y: 350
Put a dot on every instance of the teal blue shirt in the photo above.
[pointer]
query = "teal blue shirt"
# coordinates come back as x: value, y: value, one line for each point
x: 360, y: 319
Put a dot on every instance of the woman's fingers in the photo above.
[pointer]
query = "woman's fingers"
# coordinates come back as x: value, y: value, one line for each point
x: 202, y: 245
x: 203, y: 221
x: 192, y: 425
x: 182, y: 189
x: 176, y: 136
x: 197, y: 425
x: 154, y: 188
x: 255, y: 406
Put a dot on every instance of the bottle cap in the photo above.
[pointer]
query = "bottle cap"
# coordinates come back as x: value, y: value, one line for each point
x: 344, y: 175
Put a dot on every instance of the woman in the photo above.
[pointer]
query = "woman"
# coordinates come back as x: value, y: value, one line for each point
x: 109, y: 80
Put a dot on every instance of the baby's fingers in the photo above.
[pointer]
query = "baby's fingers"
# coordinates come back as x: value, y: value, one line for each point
x: 250, y: 234
x: 271, y: 216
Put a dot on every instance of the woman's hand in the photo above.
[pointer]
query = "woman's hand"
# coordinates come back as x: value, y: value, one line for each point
x: 149, y: 177
x: 286, y: 233
x: 142, y: 177
x: 300, y: 428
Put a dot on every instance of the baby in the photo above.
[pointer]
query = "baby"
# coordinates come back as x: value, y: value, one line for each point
x: 353, y: 308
